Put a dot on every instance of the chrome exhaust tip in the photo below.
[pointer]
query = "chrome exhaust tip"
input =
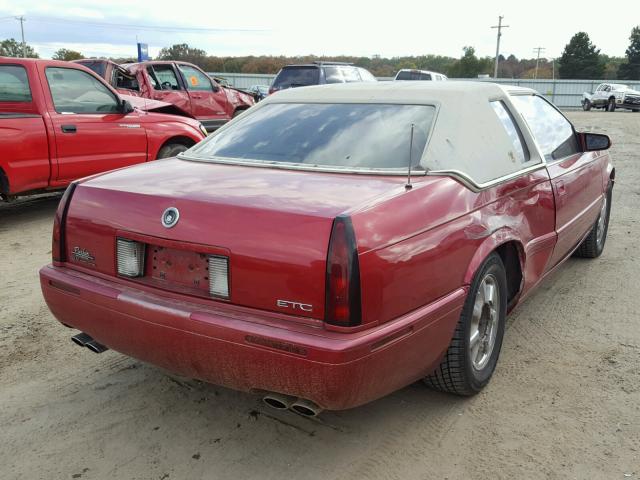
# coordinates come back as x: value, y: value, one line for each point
x: 306, y: 408
x: 96, y: 347
x: 278, y: 401
x: 81, y: 339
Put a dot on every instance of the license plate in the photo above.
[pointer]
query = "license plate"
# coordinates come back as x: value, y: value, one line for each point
x: 179, y: 267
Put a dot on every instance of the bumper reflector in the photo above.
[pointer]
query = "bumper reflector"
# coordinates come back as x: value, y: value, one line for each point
x: 130, y: 255
x: 219, y: 276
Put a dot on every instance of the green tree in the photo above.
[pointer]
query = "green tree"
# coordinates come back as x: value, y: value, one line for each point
x: 581, y: 59
x: 469, y: 66
x: 12, y: 48
x: 67, y: 55
x: 185, y: 53
x: 630, y: 70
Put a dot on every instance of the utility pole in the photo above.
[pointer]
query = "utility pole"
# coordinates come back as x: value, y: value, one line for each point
x: 538, y: 50
x: 21, y: 19
x: 499, y: 27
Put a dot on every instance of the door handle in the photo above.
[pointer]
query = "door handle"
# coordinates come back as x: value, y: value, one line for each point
x: 69, y: 129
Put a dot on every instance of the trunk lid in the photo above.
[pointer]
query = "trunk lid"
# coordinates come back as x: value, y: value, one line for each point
x: 274, y: 225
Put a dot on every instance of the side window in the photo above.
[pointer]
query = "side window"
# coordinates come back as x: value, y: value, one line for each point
x: 520, y: 151
x: 552, y: 131
x: 75, y: 91
x: 14, y: 84
x: 366, y: 75
x: 163, y: 77
x: 124, y: 80
x: 350, y: 74
x: 333, y: 75
x: 195, y: 79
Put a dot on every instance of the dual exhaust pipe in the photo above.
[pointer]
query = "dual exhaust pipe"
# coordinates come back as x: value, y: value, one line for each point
x: 278, y: 401
x: 85, y: 340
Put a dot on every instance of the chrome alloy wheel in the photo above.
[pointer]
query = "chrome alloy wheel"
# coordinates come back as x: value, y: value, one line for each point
x: 484, y: 322
x: 601, y: 228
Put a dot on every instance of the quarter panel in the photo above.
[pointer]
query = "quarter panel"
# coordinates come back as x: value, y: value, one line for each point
x: 440, y: 235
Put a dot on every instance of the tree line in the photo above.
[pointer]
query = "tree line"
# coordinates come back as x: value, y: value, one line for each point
x: 580, y: 59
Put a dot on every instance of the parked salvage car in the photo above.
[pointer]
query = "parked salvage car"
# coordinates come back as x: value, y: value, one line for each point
x: 185, y: 86
x: 335, y: 243
x: 610, y: 96
x: 59, y: 122
x: 319, y: 73
x: 413, y: 74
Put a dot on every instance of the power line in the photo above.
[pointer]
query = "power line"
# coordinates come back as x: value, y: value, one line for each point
x: 127, y: 26
x: 499, y: 27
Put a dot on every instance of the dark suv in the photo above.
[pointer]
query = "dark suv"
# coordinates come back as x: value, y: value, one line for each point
x: 319, y: 73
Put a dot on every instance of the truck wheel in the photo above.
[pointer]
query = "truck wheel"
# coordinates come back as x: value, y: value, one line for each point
x: 593, y: 245
x: 586, y: 105
x: 611, y: 106
x: 171, y: 150
x: 474, y: 349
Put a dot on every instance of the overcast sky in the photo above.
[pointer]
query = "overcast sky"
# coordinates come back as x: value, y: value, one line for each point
x: 325, y: 27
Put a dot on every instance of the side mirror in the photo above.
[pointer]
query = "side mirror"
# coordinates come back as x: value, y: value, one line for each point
x: 592, y: 142
x: 126, y: 107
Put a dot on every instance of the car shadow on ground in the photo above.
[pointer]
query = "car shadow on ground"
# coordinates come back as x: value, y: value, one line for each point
x: 28, y: 209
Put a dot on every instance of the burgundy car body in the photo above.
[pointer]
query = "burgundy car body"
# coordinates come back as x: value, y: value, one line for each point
x: 418, y: 250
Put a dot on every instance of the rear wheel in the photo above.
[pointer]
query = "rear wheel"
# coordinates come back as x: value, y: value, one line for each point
x: 611, y: 105
x: 171, y: 150
x: 474, y: 349
x: 593, y: 245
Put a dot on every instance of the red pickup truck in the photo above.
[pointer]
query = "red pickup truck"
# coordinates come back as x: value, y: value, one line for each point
x: 188, y: 88
x: 59, y: 122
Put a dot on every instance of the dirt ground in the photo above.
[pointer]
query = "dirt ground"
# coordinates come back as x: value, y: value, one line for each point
x: 564, y: 402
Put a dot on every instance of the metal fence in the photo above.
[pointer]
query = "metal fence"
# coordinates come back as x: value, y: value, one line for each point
x: 563, y: 93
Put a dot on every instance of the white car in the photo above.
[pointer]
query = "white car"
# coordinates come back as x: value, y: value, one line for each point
x: 412, y: 74
x: 610, y: 96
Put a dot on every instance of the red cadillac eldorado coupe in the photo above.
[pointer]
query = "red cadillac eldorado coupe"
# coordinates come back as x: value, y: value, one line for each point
x: 334, y: 243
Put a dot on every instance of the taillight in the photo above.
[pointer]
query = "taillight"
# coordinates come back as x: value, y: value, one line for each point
x: 219, y: 276
x: 342, y: 305
x: 130, y: 257
x: 58, y: 237
x: 272, y: 90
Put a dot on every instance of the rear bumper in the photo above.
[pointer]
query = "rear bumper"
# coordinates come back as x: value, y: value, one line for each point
x: 248, y: 350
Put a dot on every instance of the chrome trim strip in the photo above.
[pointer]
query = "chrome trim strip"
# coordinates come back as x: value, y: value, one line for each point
x: 476, y: 187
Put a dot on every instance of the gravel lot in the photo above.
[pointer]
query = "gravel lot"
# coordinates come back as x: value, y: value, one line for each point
x: 564, y: 402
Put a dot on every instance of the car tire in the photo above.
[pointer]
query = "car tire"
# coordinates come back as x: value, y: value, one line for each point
x: 593, y: 245
x: 611, y: 105
x: 586, y: 105
x: 171, y: 150
x: 467, y: 366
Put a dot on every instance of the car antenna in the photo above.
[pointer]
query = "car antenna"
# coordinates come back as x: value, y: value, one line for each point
x: 408, y: 185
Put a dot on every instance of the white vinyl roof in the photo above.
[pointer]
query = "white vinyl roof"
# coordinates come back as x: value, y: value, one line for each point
x: 415, y: 92
x: 468, y: 138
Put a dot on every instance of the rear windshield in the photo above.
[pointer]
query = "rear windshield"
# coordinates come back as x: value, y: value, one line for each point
x: 14, y: 84
x: 297, y: 77
x: 98, y: 67
x: 413, y: 76
x: 342, y: 135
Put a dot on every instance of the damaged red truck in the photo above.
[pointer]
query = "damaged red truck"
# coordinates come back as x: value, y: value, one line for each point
x: 183, y: 85
x: 60, y: 122
x: 336, y: 243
